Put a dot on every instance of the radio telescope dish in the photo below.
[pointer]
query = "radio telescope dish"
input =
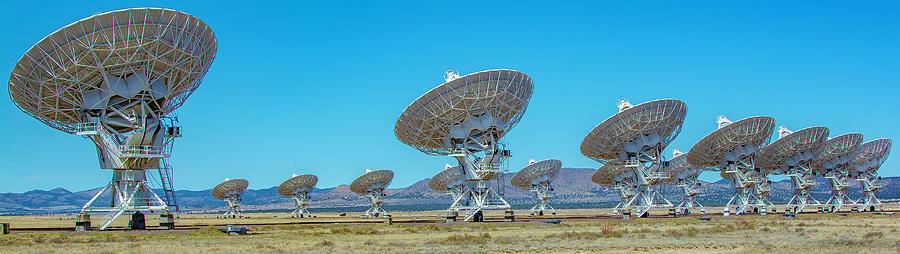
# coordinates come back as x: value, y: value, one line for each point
x: 230, y: 191
x: 833, y: 161
x: 733, y: 149
x: 636, y: 136
x: 792, y: 155
x: 465, y: 118
x: 113, y: 77
x: 614, y: 174
x: 372, y: 184
x: 537, y: 177
x: 448, y: 181
x: 297, y: 188
x: 868, y: 159
x: 684, y: 175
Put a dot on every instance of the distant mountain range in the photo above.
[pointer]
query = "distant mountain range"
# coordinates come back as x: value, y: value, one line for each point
x: 572, y: 189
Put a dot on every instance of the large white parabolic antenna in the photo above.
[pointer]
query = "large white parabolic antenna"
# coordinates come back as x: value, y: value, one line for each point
x: 733, y: 149
x: 113, y: 77
x: 636, y: 136
x: 448, y: 181
x: 867, y: 160
x: 834, y: 163
x: 297, y: 188
x: 792, y: 154
x: 465, y: 118
x: 372, y: 184
x: 230, y: 191
x: 612, y: 174
x: 536, y: 177
x: 684, y: 175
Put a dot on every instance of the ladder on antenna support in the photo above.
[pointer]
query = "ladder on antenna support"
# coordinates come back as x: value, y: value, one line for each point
x: 165, y: 179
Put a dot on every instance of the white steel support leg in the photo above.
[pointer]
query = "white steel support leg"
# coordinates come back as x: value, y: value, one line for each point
x: 542, y: 192
x: 479, y: 195
x: 302, y: 201
x: 868, y: 201
x: 375, y: 198
x: 645, y: 198
x: 234, y: 205
x: 838, y: 197
x: 129, y: 192
x: 801, y: 198
x: 689, y: 202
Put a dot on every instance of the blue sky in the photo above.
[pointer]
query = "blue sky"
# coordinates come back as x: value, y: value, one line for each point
x: 316, y: 87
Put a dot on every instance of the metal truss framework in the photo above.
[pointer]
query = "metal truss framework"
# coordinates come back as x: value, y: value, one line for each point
x: 129, y: 192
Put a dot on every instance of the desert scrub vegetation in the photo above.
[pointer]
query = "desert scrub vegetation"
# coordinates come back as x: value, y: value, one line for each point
x: 742, y: 234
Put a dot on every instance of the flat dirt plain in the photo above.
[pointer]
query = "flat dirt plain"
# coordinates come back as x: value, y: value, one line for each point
x: 580, y: 231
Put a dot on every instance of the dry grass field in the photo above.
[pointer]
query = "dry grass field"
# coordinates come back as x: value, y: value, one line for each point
x: 806, y: 233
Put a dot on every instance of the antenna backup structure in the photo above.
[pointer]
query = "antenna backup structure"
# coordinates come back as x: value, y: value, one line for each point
x: 834, y: 163
x: 448, y: 181
x: 732, y: 149
x: 297, y: 188
x: 465, y: 118
x: 372, y: 184
x: 867, y: 160
x: 792, y: 154
x: 537, y: 177
x: 230, y: 191
x: 635, y: 138
x: 684, y: 175
x: 113, y: 78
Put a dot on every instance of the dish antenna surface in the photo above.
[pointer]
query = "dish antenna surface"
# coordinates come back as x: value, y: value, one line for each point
x: 537, y: 177
x: 867, y: 160
x: 465, y: 118
x: 733, y: 149
x: 834, y: 162
x: 684, y: 175
x: 230, y: 191
x: 792, y: 154
x: 448, y: 181
x: 636, y: 136
x: 372, y: 184
x: 297, y: 188
x: 114, y: 77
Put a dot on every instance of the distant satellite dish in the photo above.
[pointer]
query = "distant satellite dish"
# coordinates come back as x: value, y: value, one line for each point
x: 465, y: 118
x: 298, y: 188
x: 635, y: 137
x: 537, y: 177
x: 684, y: 175
x: 733, y: 149
x: 867, y: 160
x: 230, y: 191
x: 448, y: 181
x: 613, y: 174
x: 833, y: 161
x: 113, y: 78
x: 792, y: 155
x: 372, y: 184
